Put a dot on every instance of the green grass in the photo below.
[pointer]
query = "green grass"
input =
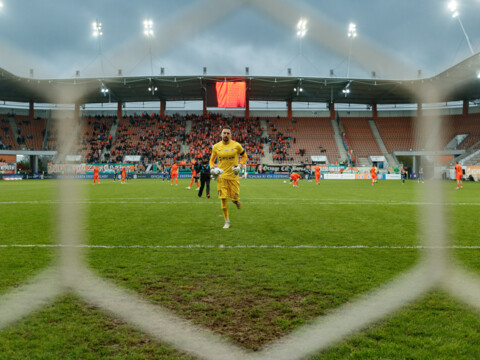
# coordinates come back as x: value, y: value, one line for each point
x: 249, y: 295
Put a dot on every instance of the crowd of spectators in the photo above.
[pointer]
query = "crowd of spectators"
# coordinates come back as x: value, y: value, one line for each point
x: 206, y: 131
x: 95, y: 138
x: 279, y: 144
x: 154, y: 138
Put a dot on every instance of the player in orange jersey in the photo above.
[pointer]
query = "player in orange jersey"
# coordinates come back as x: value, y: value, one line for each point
x: 174, y: 174
x: 317, y: 174
x: 124, y: 173
x: 459, y: 173
x: 195, y: 176
x: 373, y: 173
x: 294, y: 177
x: 96, y: 175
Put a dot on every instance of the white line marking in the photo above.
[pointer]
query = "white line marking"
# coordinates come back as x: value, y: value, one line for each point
x: 203, y: 246
x: 245, y: 201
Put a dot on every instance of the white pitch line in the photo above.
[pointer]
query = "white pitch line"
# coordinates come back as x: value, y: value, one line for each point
x: 270, y: 202
x: 200, y: 246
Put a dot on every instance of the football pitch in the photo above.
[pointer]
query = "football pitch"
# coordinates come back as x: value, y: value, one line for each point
x: 291, y: 255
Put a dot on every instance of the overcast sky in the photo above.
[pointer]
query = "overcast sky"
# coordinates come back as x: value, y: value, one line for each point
x: 54, y: 37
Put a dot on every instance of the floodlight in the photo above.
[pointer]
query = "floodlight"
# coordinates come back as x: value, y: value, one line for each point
x: 97, y: 28
x: 298, y: 89
x: 1, y: 4
x: 148, y: 27
x: 453, y: 6
x: 104, y: 89
x: 302, y: 28
x: 478, y: 75
x: 346, y: 89
x: 352, y: 30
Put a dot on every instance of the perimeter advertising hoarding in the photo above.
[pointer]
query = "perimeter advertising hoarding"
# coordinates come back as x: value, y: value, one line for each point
x: 472, y: 170
x: 360, y: 176
x: 7, y: 168
x: 339, y: 176
x: 78, y: 169
x: 302, y: 168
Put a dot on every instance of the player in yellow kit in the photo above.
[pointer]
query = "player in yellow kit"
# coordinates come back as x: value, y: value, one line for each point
x: 227, y: 152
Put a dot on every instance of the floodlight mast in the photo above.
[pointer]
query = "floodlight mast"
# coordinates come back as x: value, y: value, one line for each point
x: 148, y: 32
x: 453, y: 7
x: 352, y: 34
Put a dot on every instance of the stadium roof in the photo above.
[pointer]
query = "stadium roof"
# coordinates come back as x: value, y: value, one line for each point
x: 457, y: 83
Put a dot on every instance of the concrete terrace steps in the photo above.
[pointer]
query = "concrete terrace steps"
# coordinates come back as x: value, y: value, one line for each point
x: 267, y: 156
x: 339, y: 141
x: 363, y: 162
x: 47, y: 130
x: 113, y: 129
x: 185, y: 148
x: 188, y: 126
x: 113, y: 134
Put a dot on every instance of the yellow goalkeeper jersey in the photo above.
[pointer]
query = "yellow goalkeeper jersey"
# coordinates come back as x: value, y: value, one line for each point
x: 227, y: 156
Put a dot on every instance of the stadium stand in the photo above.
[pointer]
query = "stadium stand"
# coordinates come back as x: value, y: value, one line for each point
x: 165, y: 140
x: 360, y: 137
x: 398, y: 133
x: 470, y: 125
x: 294, y: 141
x: 30, y: 132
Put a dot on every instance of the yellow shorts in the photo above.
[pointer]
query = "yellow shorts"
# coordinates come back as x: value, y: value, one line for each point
x: 228, y: 189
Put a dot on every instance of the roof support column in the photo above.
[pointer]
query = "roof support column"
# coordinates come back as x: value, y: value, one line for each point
x: 247, y: 108
x: 375, y: 112
x: 76, y: 113
x: 289, y: 107
x: 163, y: 106
x: 332, y: 111
x: 419, y: 110
x: 204, y: 106
x: 119, y: 110
x: 31, y: 111
x: 465, y: 108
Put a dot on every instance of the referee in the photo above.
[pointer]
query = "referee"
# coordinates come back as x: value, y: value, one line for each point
x: 203, y: 168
